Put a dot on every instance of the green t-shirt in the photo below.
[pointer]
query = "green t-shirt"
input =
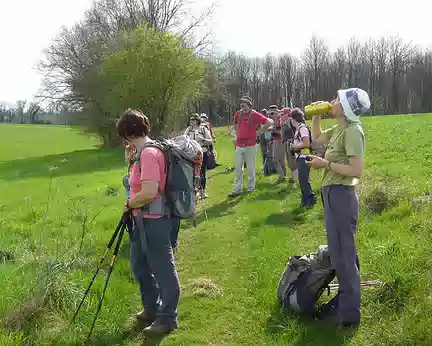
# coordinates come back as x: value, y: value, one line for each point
x: 344, y: 142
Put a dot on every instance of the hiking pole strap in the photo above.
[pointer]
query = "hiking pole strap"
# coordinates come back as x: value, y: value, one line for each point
x: 114, y: 236
x: 114, y: 258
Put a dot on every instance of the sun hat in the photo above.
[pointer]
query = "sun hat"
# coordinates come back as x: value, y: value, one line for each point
x: 355, y: 102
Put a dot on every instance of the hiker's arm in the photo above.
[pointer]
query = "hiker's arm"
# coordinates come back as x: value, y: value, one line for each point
x: 149, y: 191
x: 304, y: 144
x: 265, y: 126
x: 318, y: 135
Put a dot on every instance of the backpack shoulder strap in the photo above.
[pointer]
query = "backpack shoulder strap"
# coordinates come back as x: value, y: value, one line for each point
x: 154, y: 144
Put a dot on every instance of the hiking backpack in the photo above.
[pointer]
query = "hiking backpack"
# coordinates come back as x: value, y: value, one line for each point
x: 304, y: 280
x: 183, y: 160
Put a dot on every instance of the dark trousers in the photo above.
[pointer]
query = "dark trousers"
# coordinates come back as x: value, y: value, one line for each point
x: 308, y: 196
x: 204, y: 170
x: 153, y: 266
x: 341, y: 211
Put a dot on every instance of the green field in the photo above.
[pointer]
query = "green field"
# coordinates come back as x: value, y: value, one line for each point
x: 61, y: 197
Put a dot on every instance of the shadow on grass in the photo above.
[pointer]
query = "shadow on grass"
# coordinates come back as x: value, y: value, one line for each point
x: 75, y: 162
x: 132, y: 333
x: 304, y: 330
x: 276, y: 192
x: 221, y: 209
x: 288, y: 218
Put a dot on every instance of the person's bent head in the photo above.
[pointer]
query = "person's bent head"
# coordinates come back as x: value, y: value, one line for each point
x: 263, y: 111
x: 195, y: 120
x: 350, y: 104
x: 246, y: 104
x: 133, y: 125
x: 297, y: 117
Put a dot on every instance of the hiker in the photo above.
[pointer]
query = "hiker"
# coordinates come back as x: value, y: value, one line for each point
x: 151, y: 254
x: 262, y: 139
x: 343, y: 166
x: 246, y: 124
x: 277, y: 150
x: 201, y: 134
x: 130, y: 155
x: 301, y: 147
x: 205, y: 122
x: 287, y: 139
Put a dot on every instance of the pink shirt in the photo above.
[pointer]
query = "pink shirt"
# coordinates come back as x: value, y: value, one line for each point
x: 247, y: 132
x: 153, y: 168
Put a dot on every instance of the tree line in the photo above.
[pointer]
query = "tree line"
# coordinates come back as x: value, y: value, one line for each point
x: 155, y: 56
x: 396, y: 74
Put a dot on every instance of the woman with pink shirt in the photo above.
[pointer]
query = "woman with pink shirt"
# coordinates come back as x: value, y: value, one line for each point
x: 151, y: 253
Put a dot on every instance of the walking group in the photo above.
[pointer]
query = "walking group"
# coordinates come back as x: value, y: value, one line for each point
x: 284, y: 138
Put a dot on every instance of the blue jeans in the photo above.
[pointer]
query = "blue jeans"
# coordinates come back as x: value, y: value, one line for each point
x: 308, y: 196
x: 153, y: 266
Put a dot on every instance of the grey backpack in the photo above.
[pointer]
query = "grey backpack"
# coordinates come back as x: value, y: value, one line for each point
x: 304, y: 280
x: 184, y: 160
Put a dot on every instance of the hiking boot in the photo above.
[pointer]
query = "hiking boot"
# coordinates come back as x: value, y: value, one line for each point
x: 160, y: 328
x: 143, y: 318
x: 250, y: 191
x: 234, y: 194
x: 280, y: 181
x: 291, y: 181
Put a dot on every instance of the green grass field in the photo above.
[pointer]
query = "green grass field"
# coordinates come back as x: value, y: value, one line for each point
x: 61, y: 197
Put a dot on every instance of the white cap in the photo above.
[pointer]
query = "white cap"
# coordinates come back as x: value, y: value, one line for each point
x: 203, y: 116
x: 355, y: 102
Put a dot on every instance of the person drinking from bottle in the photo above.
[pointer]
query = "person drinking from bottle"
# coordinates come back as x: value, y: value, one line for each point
x: 301, y: 147
x: 151, y: 253
x: 246, y: 124
x: 342, y: 167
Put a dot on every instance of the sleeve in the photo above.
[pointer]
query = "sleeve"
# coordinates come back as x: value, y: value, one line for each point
x: 151, y: 165
x: 304, y: 132
x: 354, y: 142
x: 186, y: 132
x: 236, y: 118
x: 259, y: 118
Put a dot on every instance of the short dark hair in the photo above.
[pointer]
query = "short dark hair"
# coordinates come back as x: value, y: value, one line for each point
x: 133, y: 123
x: 298, y: 115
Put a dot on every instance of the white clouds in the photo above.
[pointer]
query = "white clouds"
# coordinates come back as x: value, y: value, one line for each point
x: 254, y: 28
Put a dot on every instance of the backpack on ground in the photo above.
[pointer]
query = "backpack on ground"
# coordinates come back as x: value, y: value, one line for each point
x: 315, y: 148
x: 184, y: 160
x: 304, y: 280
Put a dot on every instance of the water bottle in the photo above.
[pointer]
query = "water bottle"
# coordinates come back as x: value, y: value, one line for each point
x: 317, y: 109
x: 126, y: 184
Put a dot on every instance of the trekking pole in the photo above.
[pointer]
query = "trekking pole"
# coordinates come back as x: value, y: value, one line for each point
x: 111, y: 242
x: 114, y: 258
x: 363, y: 284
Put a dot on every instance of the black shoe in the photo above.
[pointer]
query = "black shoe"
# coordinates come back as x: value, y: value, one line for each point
x: 234, y: 194
x: 144, y: 318
x: 160, y: 328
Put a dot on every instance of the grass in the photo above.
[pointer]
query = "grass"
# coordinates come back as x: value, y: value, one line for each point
x: 61, y: 198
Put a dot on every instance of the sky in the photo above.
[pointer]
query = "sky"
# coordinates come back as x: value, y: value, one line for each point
x: 251, y: 28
